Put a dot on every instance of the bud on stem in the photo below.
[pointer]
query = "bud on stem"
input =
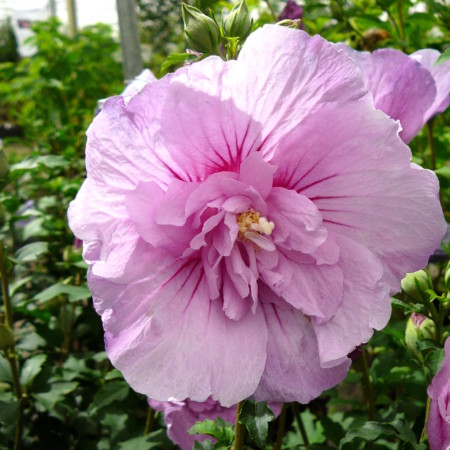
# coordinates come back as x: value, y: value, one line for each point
x: 238, y: 23
x: 202, y: 33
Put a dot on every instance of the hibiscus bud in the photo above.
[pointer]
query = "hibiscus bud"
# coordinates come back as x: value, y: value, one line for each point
x: 418, y: 327
x: 447, y: 277
x: 238, y: 22
x: 202, y: 33
x: 415, y: 284
x: 6, y: 337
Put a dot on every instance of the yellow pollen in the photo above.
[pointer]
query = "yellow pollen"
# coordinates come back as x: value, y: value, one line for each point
x: 252, y: 221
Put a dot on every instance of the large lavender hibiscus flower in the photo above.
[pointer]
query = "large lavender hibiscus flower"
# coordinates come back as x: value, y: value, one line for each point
x: 245, y: 222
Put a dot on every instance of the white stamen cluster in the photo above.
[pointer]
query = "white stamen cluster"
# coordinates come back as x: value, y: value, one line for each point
x: 263, y: 226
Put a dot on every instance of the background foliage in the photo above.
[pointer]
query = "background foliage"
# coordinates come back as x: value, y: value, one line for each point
x: 68, y: 395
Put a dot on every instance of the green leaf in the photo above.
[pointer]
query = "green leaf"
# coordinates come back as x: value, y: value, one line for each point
x: 9, y: 412
x: 6, y: 337
x: 139, y: 443
x: 156, y: 440
x: 74, y: 293
x: 49, y: 161
x: 434, y: 361
x: 218, y: 429
x: 204, y: 445
x: 30, y: 252
x: 31, y: 368
x: 175, y: 59
x: 443, y: 172
x: 444, y: 57
x: 371, y: 431
x: 55, y: 395
x: 256, y: 417
x: 113, y: 375
x: 110, y: 392
x: 5, y: 370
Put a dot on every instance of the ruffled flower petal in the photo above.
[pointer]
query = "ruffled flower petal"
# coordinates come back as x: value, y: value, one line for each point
x: 293, y: 369
x: 184, y: 346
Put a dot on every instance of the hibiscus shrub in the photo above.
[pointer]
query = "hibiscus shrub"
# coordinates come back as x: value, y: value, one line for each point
x: 246, y: 222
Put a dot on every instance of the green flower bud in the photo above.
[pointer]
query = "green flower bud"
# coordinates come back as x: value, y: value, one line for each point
x: 418, y: 327
x: 202, y: 33
x: 238, y: 22
x: 447, y: 277
x: 6, y: 337
x: 415, y: 284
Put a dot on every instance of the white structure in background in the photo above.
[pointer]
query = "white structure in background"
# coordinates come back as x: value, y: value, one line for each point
x: 24, y: 12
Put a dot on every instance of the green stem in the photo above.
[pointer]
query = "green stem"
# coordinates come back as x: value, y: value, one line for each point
x: 272, y: 12
x: 5, y: 288
x: 427, y: 412
x: 239, y: 430
x: 437, y: 319
x: 301, y: 427
x: 10, y: 353
x: 281, y: 427
x: 149, y: 420
x: 367, y: 386
x: 402, y: 24
x: 429, y: 130
x: 69, y: 330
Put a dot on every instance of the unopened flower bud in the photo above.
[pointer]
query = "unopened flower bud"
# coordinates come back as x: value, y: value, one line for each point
x: 202, y: 33
x: 447, y: 277
x: 415, y: 284
x: 418, y: 327
x: 238, y: 23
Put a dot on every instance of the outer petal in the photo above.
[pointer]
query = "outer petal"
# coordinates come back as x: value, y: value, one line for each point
x: 441, y: 74
x: 293, y: 369
x: 98, y: 217
x: 361, y: 180
x: 283, y: 75
x: 170, y: 340
x: 365, y: 305
x: 438, y: 424
x: 123, y: 144
x: 202, y: 128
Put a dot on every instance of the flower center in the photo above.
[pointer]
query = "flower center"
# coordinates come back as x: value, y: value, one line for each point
x: 251, y: 220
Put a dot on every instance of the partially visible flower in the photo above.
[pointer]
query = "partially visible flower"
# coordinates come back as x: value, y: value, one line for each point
x: 438, y: 424
x: 180, y: 417
x: 441, y: 74
x: 400, y: 86
x: 245, y: 222
x: 291, y: 11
